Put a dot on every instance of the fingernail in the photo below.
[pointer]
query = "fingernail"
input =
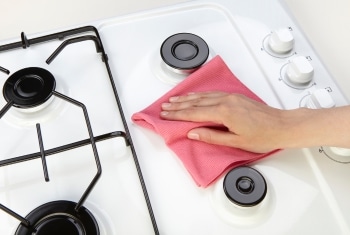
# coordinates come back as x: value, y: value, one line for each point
x: 166, y: 105
x: 193, y: 136
x: 164, y: 113
x: 174, y: 98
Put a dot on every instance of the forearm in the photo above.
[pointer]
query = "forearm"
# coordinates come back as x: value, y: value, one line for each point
x: 309, y: 127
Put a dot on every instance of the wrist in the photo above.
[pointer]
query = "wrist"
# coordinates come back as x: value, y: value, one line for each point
x: 316, y: 127
x: 298, y: 128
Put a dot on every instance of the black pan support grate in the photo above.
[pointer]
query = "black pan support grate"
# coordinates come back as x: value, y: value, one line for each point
x: 24, y: 43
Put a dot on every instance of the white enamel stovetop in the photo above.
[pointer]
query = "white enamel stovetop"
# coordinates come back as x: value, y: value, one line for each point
x: 307, y: 192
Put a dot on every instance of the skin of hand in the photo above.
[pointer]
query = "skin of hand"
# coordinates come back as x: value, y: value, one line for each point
x: 257, y: 127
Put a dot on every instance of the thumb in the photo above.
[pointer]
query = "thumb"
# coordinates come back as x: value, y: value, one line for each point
x: 213, y: 136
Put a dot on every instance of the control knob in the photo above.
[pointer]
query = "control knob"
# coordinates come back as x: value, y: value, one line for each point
x: 320, y: 99
x: 341, y: 151
x: 299, y: 71
x: 281, y: 41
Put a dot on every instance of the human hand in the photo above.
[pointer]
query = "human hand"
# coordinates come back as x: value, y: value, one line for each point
x: 251, y: 125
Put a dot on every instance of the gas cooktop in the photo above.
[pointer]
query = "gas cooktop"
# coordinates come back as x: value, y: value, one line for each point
x: 72, y: 159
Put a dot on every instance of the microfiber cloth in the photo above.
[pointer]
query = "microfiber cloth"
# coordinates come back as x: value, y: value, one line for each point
x: 205, y: 162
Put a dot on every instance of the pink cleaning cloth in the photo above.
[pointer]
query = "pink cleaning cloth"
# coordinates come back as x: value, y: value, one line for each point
x: 205, y: 162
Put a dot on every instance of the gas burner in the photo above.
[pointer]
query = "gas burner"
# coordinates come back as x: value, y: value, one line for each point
x: 59, y: 217
x: 245, y: 186
x: 29, y: 87
x: 180, y: 55
x: 238, y: 200
x: 183, y: 53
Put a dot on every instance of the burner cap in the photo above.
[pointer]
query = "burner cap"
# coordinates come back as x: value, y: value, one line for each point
x: 245, y: 186
x: 29, y: 87
x: 184, y: 51
x: 57, y: 218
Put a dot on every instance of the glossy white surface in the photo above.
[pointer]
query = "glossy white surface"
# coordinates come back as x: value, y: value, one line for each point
x: 306, y: 189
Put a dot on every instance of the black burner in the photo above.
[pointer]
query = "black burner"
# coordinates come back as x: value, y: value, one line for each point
x: 58, y: 218
x: 245, y: 186
x: 29, y: 87
x: 184, y: 51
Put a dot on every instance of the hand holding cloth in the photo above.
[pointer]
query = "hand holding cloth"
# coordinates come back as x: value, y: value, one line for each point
x: 205, y: 162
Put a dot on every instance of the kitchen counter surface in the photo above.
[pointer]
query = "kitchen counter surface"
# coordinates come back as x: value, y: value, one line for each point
x: 325, y: 23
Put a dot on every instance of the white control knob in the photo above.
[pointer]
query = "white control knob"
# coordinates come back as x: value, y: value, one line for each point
x: 341, y: 151
x: 320, y: 99
x: 281, y: 41
x: 299, y: 71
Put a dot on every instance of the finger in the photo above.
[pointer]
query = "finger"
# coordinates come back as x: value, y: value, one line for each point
x: 194, y: 100
x: 189, y: 104
x: 194, y: 114
x: 213, y: 136
x: 196, y: 95
x: 226, y: 138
